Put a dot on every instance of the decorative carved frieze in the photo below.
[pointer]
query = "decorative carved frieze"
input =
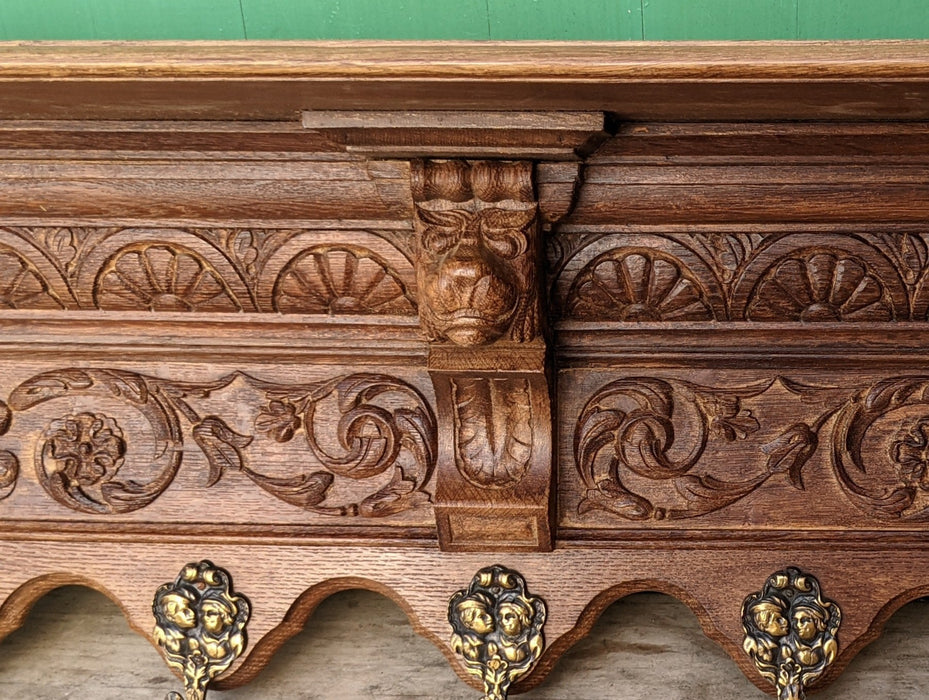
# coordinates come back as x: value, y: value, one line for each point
x: 497, y: 628
x: 649, y: 448
x: 200, y: 626
x: 785, y: 277
x: 206, y: 270
x: 791, y: 631
x: 382, y: 441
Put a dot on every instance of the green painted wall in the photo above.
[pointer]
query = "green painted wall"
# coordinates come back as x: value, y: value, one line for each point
x: 464, y: 19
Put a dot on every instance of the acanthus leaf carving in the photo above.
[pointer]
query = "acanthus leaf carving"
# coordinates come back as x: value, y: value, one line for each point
x: 222, y: 446
x: 790, y: 451
x: 628, y: 428
x: 493, y: 429
x: 628, y: 425
x: 371, y: 435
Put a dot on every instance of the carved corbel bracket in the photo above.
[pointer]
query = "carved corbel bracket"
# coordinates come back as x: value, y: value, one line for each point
x: 478, y: 267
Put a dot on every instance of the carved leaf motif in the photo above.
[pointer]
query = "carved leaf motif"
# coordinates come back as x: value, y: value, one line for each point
x: 493, y: 430
x: 301, y: 490
x: 727, y: 252
x: 222, y: 446
x: 908, y: 250
x: 707, y: 493
x: 790, y: 451
x: 49, y: 385
x: 398, y: 495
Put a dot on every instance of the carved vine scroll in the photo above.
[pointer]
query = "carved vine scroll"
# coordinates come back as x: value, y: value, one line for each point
x: 630, y: 432
x: 83, y: 459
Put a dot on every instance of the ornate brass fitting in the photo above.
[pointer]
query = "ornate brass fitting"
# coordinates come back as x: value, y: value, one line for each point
x: 790, y: 631
x: 200, y: 625
x: 497, y: 628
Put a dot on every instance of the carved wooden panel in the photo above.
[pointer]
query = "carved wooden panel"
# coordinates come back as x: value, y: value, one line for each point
x: 575, y: 318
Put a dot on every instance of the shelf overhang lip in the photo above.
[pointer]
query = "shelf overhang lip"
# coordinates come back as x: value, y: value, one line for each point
x: 703, y: 61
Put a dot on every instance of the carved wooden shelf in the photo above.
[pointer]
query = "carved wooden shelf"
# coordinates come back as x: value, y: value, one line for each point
x: 503, y: 332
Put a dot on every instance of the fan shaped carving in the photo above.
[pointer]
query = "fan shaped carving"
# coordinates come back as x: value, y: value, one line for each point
x: 22, y: 285
x: 637, y: 285
x: 817, y: 285
x: 161, y: 277
x: 340, y: 279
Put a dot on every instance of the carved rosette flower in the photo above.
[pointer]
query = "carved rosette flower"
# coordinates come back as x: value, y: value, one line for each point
x: 820, y: 286
x: 637, y: 285
x: 910, y: 452
x: 162, y: 277
x: 340, y: 280
x: 84, y: 450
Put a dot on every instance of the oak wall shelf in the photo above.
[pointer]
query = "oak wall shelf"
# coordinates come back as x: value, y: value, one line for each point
x: 502, y: 331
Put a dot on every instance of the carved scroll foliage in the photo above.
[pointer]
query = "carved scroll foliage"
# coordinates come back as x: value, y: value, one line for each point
x: 497, y: 628
x: 493, y: 430
x: 383, y: 426
x: 200, y: 625
x: 791, y: 631
x: 627, y: 433
x: 478, y: 251
x: 628, y: 426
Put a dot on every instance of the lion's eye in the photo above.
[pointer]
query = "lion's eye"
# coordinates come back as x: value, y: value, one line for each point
x: 504, y: 232
x: 506, y: 243
x: 439, y: 240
